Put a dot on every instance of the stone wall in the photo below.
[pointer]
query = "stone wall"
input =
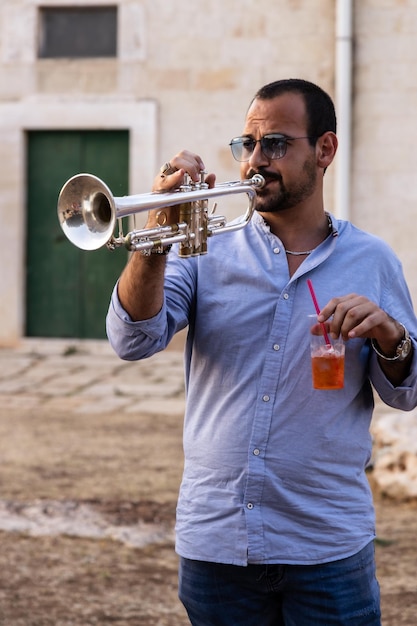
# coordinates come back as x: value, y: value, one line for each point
x: 183, y: 78
x: 384, y: 159
x: 394, y: 463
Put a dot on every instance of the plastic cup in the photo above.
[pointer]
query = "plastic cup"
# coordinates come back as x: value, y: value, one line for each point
x: 327, y: 359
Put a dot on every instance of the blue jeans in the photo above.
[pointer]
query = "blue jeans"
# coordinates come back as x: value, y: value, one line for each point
x: 340, y: 593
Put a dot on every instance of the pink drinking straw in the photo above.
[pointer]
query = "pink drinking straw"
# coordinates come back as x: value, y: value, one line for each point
x: 316, y: 306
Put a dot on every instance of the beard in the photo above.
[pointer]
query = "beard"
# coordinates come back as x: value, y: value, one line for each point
x: 271, y: 201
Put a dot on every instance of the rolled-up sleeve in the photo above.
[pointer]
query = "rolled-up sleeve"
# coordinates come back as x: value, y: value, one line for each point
x: 403, y: 397
x: 135, y: 340
x: 132, y: 340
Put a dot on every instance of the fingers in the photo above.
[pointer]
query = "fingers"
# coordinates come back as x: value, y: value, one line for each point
x: 211, y: 180
x: 168, y: 182
x: 172, y: 173
x: 353, y: 316
x: 190, y: 163
x: 170, y: 178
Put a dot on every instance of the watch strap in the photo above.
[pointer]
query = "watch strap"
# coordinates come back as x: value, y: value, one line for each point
x: 402, y: 350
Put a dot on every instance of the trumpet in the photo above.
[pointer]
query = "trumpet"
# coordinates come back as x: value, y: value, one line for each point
x: 88, y: 211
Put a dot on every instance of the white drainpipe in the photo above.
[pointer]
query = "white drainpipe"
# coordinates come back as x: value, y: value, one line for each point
x: 343, y: 106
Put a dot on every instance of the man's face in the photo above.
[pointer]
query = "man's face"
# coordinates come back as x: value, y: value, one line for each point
x: 292, y: 178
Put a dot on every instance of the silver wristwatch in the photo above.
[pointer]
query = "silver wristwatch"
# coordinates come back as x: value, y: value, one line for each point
x: 402, y: 351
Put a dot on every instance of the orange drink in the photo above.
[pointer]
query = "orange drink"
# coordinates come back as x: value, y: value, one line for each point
x: 328, y: 370
x: 327, y: 356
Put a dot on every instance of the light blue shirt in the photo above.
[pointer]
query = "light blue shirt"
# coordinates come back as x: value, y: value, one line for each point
x: 274, y: 470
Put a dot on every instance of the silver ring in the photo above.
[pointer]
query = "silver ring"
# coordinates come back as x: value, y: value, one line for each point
x: 167, y: 169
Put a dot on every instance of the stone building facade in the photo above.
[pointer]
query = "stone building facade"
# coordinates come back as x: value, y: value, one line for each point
x: 182, y: 77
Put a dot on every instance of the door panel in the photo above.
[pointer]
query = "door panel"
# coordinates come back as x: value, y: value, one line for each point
x: 67, y: 289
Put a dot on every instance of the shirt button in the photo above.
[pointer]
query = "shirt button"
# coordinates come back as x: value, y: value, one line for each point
x: 265, y: 398
x: 256, y: 452
x: 276, y: 250
x: 249, y: 506
x: 276, y: 347
x: 286, y: 296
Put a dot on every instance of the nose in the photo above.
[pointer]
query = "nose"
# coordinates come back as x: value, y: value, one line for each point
x: 257, y: 158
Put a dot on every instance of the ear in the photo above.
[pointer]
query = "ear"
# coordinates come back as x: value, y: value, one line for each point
x: 326, y: 148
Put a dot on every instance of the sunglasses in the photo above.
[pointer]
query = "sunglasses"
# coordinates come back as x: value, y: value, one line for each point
x: 273, y: 146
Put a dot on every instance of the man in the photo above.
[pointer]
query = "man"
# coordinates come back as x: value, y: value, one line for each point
x: 275, y: 523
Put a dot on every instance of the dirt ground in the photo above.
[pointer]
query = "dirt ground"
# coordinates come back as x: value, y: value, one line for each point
x: 125, y: 470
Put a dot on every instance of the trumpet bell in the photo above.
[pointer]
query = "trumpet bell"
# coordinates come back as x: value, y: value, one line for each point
x: 86, y: 211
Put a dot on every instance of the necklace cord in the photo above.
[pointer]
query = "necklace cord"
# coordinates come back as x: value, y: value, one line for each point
x: 307, y: 252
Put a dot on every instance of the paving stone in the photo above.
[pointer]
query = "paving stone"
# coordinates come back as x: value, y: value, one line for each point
x: 22, y: 402
x: 171, y: 406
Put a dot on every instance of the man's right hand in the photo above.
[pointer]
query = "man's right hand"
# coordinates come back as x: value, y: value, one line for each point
x: 184, y: 162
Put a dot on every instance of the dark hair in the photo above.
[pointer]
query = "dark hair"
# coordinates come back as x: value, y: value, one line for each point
x: 321, y: 115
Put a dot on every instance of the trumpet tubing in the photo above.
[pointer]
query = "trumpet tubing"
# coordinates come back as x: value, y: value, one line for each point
x: 88, y: 211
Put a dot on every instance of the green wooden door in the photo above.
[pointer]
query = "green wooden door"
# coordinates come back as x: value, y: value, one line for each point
x: 67, y: 289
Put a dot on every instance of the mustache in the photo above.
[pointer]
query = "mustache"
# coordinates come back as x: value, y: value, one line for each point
x: 269, y: 176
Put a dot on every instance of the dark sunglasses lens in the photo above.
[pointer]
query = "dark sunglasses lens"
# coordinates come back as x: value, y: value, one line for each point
x: 273, y: 147
x: 242, y: 148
